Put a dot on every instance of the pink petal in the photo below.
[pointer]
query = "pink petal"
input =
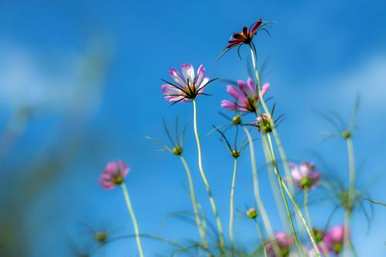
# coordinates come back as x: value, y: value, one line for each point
x: 264, y: 89
x: 200, y: 75
x: 236, y: 93
x: 174, y: 74
x: 228, y: 105
x: 188, y: 72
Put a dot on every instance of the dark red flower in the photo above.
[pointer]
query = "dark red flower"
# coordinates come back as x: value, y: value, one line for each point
x: 246, y: 35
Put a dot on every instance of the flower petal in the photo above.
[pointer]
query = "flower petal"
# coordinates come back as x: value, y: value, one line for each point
x: 264, y: 89
x: 176, y: 76
x: 228, y: 105
x: 187, y: 72
x: 200, y: 75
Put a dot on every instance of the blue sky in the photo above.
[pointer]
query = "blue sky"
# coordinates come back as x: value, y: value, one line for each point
x: 319, y: 57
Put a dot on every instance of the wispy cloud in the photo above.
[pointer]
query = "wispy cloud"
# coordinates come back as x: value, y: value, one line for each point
x: 61, y: 84
x: 366, y: 79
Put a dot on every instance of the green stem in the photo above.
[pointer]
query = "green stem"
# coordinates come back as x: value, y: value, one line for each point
x: 270, y: 157
x: 351, y: 193
x: 193, y: 198
x: 297, y: 211
x: 305, y: 203
x: 232, y: 201
x: 261, y: 238
x: 133, y: 219
x: 205, y: 179
x: 256, y: 190
x: 284, y: 159
x: 282, y: 153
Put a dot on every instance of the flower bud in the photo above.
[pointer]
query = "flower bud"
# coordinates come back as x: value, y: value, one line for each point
x: 177, y: 150
x: 235, y: 154
x: 264, y: 123
x: 251, y: 213
x: 236, y: 120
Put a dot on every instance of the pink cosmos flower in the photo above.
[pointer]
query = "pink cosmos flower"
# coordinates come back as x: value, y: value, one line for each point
x: 186, y: 85
x: 283, y: 242
x: 245, y: 96
x: 114, y: 174
x: 304, y: 175
x: 334, y: 239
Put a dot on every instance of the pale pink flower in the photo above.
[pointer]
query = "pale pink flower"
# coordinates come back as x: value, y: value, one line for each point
x: 334, y: 239
x: 246, y: 96
x: 283, y: 242
x: 114, y: 174
x: 304, y: 175
x: 185, y: 85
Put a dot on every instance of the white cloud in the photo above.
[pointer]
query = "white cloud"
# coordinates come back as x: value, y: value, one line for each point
x: 62, y: 84
x: 367, y: 79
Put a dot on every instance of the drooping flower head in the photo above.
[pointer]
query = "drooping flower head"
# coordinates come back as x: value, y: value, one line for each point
x: 114, y: 174
x: 246, y: 96
x: 334, y: 239
x: 304, y: 175
x: 282, y: 242
x: 245, y: 36
x: 186, y: 85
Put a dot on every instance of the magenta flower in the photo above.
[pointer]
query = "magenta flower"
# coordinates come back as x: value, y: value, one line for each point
x: 246, y: 96
x: 283, y: 242
x: 114, y: 174
x: 334, y: 239
x: 304, y: 175
x: 186, y: 85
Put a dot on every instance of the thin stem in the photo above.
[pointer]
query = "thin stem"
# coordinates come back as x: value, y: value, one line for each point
x: 278, y: 199
x: 351, y: 193
x: 133, y: 219
x: 270, y: 157
x: 232, y: 201
x: 261, y: 238
x: 193, y: 198
x: 375, y: 202
x: 282, y: 153
x: 283, y: 158
x: 205, y: 179
x: 256, y: 190
x: 298, y: 212
x: 305, y: 205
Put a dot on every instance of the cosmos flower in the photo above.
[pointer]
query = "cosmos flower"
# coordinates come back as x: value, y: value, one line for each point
x: 114, y: 174
x: 283, y: 242
x: 186, y: 85
x: 334, y: 239
x: 245, y: 36
x: 304, y: 175
x: 246, y: 96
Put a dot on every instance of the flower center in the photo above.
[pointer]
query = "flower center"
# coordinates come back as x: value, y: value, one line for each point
x: 305, y: 183
x: 118, y: 179
x: 177, y: 150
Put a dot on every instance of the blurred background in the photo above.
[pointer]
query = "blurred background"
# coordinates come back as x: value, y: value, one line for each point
x: 80, y: 85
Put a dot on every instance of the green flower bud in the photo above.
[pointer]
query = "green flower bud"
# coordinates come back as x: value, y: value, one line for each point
x: 177, y: 150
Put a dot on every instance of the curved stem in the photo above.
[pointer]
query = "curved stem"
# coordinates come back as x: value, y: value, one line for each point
x: 205, y: 179
x: 270, y: 157
x: 283, y: 156
x: 297, y: 211
x: 193, y: 198
x: 232, y: 201
x: 256, y: 189
x: 133, y: 219
x: 282, y: 153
